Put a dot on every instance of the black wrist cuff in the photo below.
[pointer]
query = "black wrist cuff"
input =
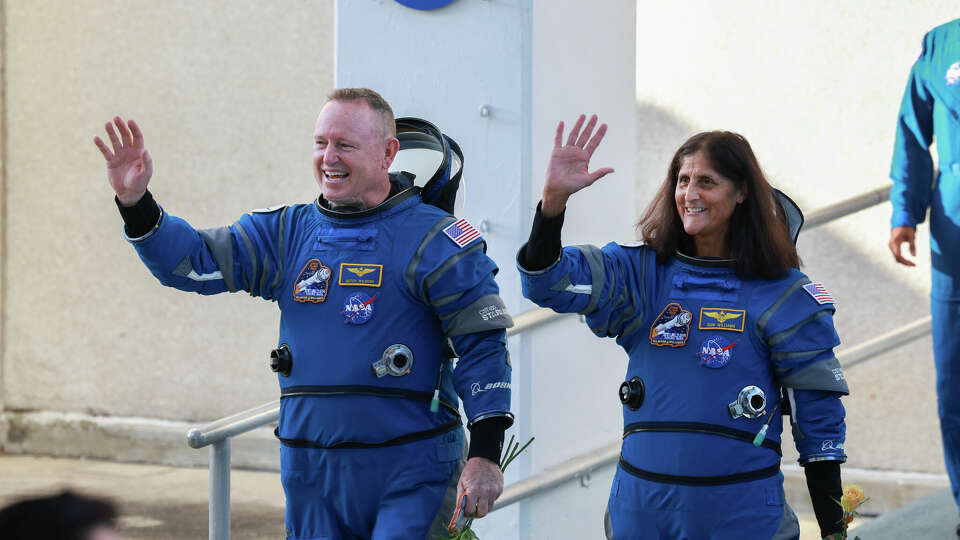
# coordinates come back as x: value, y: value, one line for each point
x: 544, y: 246
x: 486, y: 438
x: 823, y: 483
x: 141, y: 217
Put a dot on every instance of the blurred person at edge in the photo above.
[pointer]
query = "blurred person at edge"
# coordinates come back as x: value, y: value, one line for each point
x: 365, y: 273
x: 65, y: 516
x: 929, y: 111
x: 710, y: 308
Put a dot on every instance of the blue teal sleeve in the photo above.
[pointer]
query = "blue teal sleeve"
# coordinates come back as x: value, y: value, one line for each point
x: 458, y: 283
x: 912, y: 166
x: 606, y: 285
x: 798, y: 332
x: 244, y: 256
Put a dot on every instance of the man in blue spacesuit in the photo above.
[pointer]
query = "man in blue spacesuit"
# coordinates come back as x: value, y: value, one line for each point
x: 378, y: 293
x: 930, y: 110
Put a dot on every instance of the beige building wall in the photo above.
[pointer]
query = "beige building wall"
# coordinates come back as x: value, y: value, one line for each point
x: 815, y: 87
x: 227, y: 93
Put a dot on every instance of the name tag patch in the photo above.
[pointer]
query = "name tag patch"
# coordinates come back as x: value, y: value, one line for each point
x: 360, y: 275
x: 722, y: 319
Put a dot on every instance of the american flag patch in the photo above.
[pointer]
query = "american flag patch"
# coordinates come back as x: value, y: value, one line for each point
x: 461, y: 232
x: 819, y: 293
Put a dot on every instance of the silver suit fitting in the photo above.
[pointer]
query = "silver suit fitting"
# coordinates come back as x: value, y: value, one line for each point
x: 397, y: 360
x: 750, y: 403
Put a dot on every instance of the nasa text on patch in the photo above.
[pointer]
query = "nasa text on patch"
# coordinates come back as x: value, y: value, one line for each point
x: 313, y: 282
x: 358, y: 308
x: 716, y: 352
x: 672, y: 327
x: 722, y: 319
x: 360, y: 275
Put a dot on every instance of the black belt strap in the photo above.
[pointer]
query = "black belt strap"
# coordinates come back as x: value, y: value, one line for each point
x: 700, y: 480
x: 700, y: 427
x: 410, y: 437
x: 379, y: 391
x: 360, y: 390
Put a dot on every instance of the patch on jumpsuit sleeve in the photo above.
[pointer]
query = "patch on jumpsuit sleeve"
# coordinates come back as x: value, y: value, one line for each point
x: 819, y: 293
x: 461, y: 232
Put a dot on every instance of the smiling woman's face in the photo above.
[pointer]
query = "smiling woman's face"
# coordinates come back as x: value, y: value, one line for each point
x: 705, y: 201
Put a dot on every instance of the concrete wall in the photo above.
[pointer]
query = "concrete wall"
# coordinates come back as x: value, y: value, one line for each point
x: 227, y: 94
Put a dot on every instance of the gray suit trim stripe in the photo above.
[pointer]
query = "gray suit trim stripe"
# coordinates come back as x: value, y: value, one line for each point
x: 447, y: 299
x: 638, y: 321
x: 594, y: 258
x: 772, y: 310
x: 281, y: 250
x: 824, y: 375
x: 471, y: 319
x: 219, y: 241
x: 786, y: 334
x: 248, y: 282
x: 411, y: 273
x: 776, y: 357
x: 437, y: 274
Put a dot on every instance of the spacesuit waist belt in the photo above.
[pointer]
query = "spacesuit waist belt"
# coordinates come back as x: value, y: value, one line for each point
x: 360, y: 390
x: 409, y: 437
x: 700, y: 427
x: 700, y: 480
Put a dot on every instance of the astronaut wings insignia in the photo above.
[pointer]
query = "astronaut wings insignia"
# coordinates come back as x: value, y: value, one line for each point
x: 360, y: 275
x: 360, y: 272
x: 722, y: 319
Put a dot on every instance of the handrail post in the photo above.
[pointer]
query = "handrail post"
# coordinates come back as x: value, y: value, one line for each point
x: 220, y: 490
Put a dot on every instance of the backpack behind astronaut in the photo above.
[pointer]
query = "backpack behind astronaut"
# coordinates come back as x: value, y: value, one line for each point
x: 433, y: 159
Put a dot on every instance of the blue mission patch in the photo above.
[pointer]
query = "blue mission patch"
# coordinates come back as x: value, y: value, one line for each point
x: 313, y: 283
x: 716, y: 352
x: 672, y: 327
x: 358, y: 308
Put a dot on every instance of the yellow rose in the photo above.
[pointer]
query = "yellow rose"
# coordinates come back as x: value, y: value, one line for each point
x: 852, y: 497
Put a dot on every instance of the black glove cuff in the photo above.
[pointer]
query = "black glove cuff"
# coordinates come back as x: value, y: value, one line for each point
x: 141, y: 217
x: 486, y: 438
x: 543, y: 247
x: 823, y: 482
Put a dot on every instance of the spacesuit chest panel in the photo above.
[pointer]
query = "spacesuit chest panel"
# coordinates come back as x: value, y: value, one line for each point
x: 699, y: 352
x: 346, y: 306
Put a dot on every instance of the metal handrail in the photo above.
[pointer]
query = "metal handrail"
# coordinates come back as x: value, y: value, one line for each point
x: 846, y: 207
x: 578, y: 466
x: 219, y: 432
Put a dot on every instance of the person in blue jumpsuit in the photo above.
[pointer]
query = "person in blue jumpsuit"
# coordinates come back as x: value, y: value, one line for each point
x: 718, y: 323
x: 929, y: 111
x: 378, y: 294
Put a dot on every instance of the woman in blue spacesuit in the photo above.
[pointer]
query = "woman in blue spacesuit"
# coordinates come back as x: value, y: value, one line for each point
x: 718, y: 323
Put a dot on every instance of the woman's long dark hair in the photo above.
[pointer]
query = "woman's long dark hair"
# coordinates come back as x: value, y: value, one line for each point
x: 758, y: 236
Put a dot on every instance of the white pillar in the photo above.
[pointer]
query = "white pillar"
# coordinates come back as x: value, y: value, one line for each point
x: 497, y: 75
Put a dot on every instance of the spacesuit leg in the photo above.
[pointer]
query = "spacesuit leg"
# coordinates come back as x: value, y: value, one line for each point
x: 641, y: 509
x: 310, y: 514
x: 419, y: 497
x: 946, y: 353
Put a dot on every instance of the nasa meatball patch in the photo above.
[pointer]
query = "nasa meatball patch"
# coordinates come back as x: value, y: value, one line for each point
x: 672, y: 327
x: 358, y: 308
x: 716, y: 352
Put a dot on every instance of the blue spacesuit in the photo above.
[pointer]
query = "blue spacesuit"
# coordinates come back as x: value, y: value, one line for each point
x: 374, y: 306
x: 930, y: 109
x: 709, y: 354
